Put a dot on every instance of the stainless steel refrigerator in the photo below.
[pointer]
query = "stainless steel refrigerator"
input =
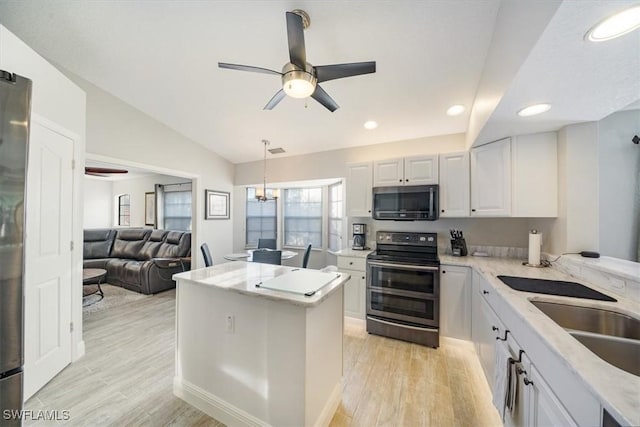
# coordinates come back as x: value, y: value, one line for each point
x: 15, y: 114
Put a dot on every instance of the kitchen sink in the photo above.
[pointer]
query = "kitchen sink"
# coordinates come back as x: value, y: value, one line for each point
x: 620, y: 352
x: 612, y: 336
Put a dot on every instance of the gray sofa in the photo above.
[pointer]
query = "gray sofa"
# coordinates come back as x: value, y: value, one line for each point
x: 139, y: 259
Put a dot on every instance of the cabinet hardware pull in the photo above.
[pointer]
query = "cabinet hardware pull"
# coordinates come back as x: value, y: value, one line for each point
x: 505, y: 336
x: 443, y: 271
x: 442, y: 211
x: 495, y: 328
x: 527, y: 381
x: 400, y: 180
x: 485, y: 292
x: 473, y: 210
x: 406, y: 180
x: 362, y: 277
x: 350, y: 262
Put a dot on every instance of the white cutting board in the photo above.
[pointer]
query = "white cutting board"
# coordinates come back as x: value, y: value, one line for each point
x: 301, y: 282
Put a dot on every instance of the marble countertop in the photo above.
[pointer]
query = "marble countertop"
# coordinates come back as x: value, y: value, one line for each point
x: 354, y: 253
x: 241, y: 277
x: 618, y: 391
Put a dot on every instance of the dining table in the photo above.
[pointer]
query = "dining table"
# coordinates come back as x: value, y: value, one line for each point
x: 248, y: 255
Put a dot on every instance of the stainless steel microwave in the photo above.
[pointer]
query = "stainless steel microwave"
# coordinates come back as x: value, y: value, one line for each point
x: 406, y: 203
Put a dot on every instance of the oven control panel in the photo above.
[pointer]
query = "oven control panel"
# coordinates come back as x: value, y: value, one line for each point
x: 408, y: 239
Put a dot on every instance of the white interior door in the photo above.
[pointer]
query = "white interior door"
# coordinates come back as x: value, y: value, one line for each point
x: 48, y: 256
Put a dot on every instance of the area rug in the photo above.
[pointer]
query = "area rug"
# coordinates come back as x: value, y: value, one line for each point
x: 114, y: 296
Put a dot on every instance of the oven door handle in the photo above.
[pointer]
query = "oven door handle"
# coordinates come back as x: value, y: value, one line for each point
x: 403, y: 266
x: 416, y: 328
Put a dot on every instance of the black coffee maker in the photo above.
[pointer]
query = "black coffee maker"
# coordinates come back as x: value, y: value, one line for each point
x: 359, y: 237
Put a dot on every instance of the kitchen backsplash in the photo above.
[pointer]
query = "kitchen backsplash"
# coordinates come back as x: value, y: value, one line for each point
x: 618, y: 276
x: 492, y: 251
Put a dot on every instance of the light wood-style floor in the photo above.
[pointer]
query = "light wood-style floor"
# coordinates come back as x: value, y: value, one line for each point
x: 125, y: 378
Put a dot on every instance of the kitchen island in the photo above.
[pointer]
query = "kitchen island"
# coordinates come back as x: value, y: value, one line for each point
x: 260, y: 355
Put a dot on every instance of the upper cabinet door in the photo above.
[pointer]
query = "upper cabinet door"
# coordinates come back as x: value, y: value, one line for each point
x: 421, y: 170
x: 454, y: 185
x: 388, y: 172
x: 359, y: 177
x: 491, y: 179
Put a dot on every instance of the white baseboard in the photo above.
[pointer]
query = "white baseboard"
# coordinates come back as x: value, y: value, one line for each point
x: 234, y: 416
x: 354, y: 322
x: 80, y: 350
x: 330, y: 408
x: 214, y: 406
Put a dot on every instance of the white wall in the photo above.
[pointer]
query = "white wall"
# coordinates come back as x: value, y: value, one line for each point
x: 136, y: 188
x: 118, y: 133
x: 619, y: 185
x: 98, y: 203
x: 332, y: 164
x: 576, y: 228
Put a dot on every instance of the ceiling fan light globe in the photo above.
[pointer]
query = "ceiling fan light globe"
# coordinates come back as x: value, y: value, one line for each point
x: 298, y: 88
x: 298, y: 83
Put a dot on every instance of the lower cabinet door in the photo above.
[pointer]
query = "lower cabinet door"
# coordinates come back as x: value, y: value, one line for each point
x: 544, y: 407
x: 455, y: 302
x: 354, y: 294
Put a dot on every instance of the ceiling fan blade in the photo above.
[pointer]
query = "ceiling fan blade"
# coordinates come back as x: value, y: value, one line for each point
x: 96, y: 170
x: 247, y: 68
x: 275, y: 100
x: 323, y: 98
x: 295, y: 34
x: 339, y: 71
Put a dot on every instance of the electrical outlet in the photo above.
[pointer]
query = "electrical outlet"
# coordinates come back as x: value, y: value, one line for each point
x: 230, y: 323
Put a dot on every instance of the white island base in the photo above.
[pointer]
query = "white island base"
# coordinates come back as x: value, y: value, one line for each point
x: 255, y: 357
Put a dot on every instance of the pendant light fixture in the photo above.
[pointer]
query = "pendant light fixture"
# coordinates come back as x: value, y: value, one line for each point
x: 261, y: 193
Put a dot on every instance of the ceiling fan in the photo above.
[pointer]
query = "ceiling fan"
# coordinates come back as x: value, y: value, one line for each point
x: 299, y: 78
x: 94, y: 171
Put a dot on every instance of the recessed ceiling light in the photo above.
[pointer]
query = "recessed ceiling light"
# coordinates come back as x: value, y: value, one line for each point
x: 455, y: 110
x: 532, y: 110
x: 615, y: 26
x: 370, y: 125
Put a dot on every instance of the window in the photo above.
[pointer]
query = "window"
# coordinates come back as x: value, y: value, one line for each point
x: 303, y: 217
x: 335, y: 216
x: 261, y: 218
x: 177, y: 207
x: 124, y: 209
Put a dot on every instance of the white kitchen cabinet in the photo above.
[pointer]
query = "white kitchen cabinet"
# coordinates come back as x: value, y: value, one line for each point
x: 491, y: 179
x: 421, y: 170
x: 455, y: 302
x: 558, y: 398
x: 485, y: 327
x: 417, y: 170
x: 359, y: 185
x: 454, y: 184
x: 354, y: 289
x: 535, y: 175
x: 388, y: 172
x: 544, y: 407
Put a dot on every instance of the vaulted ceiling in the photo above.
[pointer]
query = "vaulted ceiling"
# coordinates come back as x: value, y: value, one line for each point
x: 493, y: 57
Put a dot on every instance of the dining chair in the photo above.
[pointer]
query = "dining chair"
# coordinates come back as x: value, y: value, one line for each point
x: 268, y: 257
x: 208, y: 259
x: 267, y: 244
x: 305, y: 259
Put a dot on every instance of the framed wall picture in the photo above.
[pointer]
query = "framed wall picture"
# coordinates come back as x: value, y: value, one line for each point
x: 216, y: 204
x: 150, y: 208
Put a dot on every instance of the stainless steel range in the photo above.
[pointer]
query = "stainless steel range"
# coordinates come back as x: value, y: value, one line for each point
x: 403, y: 287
